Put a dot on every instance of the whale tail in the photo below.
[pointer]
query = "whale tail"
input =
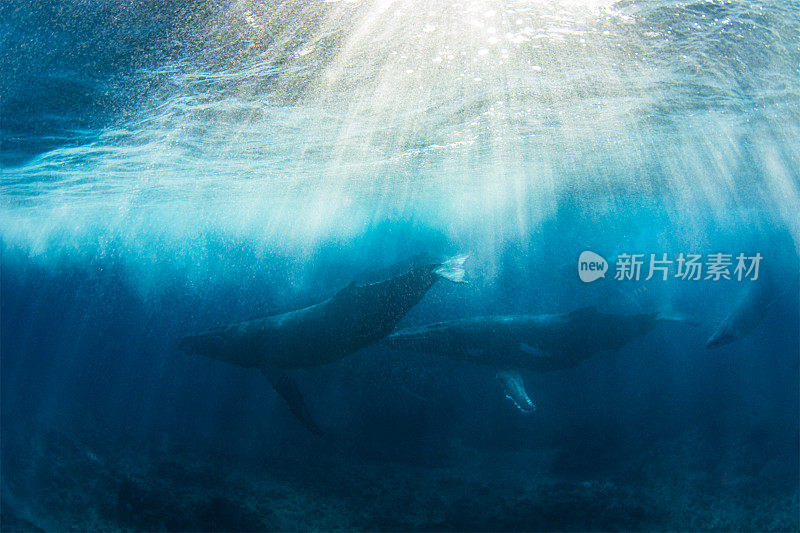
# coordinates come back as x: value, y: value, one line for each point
x: 453, y: 269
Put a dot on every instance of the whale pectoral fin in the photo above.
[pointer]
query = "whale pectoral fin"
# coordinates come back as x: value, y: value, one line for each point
x: 288, y: 390
x: 515, y: 390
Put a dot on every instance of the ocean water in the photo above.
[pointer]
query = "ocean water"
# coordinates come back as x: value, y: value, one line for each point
x: 170, y: 166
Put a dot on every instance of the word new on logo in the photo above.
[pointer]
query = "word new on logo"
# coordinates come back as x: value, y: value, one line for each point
x: 591, y: 266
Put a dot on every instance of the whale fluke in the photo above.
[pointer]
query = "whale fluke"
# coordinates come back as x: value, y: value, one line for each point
x: 453, y: 269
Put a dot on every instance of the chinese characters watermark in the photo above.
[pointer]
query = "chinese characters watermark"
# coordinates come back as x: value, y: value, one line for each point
x: 687, y: 267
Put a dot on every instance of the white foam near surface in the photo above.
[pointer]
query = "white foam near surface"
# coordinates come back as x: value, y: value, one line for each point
x: 511, y: 109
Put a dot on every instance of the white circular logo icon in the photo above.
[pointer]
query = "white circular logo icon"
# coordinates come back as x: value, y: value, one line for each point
x: 591, y: 266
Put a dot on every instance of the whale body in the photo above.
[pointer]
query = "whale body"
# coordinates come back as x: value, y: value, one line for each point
x: 533, y: 342
x: 354, y: 318
x: 528, y: 342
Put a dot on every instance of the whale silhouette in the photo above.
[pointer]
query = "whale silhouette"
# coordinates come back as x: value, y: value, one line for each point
x: 354, y: 318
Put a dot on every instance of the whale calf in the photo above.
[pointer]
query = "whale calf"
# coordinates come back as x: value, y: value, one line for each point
x: 529, y: 342
x: 354, y: 318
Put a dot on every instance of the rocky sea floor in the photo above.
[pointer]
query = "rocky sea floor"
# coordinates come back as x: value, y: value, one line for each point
x: 57, y: 483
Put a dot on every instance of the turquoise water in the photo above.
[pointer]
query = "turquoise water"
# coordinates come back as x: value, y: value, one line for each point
x: 172, y: 166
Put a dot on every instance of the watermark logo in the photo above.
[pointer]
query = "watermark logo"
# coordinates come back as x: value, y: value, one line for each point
x: 687, y: 267
x: 591, y: 266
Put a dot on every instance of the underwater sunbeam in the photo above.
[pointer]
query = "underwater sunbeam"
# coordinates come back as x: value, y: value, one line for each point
x: 278, y: 186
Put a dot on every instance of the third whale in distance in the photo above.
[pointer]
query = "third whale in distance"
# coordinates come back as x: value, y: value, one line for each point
x: 746, y: 313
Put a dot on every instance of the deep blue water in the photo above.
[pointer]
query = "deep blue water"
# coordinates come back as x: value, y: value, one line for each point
x: 170, y: 166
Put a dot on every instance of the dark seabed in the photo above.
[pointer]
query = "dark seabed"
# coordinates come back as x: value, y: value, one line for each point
x: 167, y: 167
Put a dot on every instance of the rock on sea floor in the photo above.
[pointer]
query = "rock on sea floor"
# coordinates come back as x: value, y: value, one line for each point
x: 59, y: 483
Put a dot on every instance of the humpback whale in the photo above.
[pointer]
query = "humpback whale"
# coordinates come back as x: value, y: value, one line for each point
x: 530, y: 342
x: 747, y: 313
x: 354, y: 318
